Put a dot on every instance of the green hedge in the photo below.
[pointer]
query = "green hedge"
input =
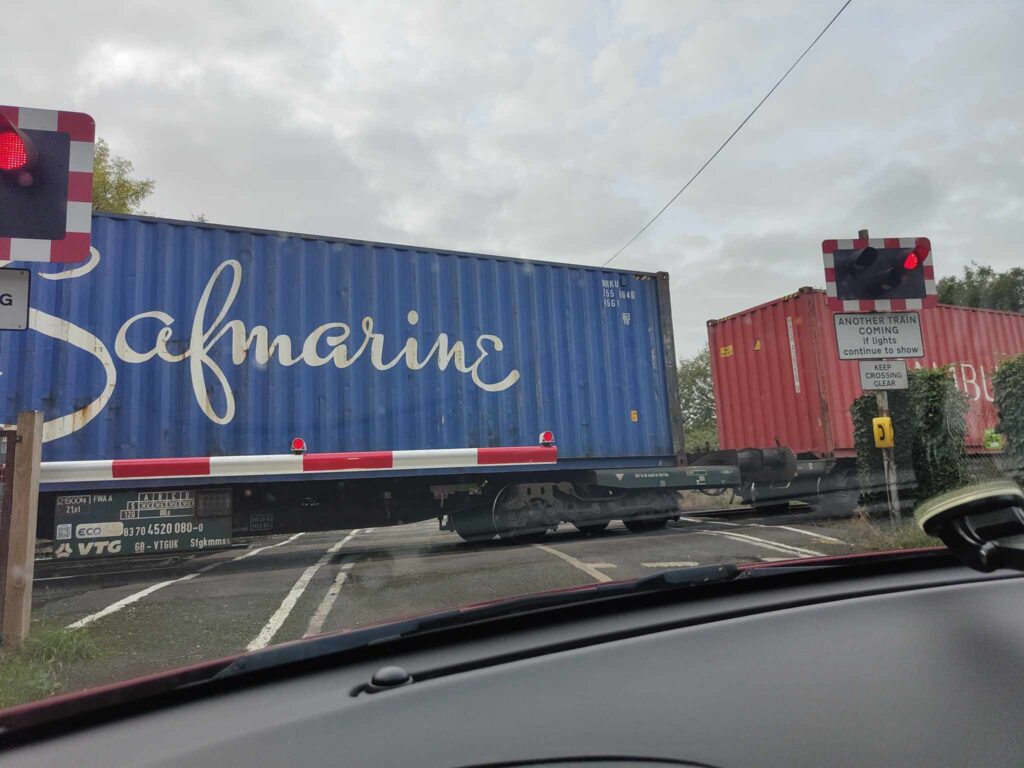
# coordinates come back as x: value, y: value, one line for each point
x: 1008, y: 386
x: 869, y: 461
x: 930, y: 431
x: 939, y: 412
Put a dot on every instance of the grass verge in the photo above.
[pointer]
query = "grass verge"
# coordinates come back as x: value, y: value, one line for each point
x: 879, y: 535
x: 37, y: 669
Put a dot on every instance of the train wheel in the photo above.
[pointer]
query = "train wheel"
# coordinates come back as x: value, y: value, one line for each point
x: 474, y: 525
x: 518, y: 520
x: 646, y: 524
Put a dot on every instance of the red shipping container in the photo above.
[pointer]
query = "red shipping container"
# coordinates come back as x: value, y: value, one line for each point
x: 778, y: 379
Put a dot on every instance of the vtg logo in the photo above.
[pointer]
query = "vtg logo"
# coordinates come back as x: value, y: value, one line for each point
x: 6, y: 299
x: 99, y: 547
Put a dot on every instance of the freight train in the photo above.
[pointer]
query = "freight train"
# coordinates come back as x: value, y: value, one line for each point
x: 201, y: 382
x: 778, y: 381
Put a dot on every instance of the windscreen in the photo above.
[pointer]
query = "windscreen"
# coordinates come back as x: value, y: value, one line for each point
x: 358, y: 311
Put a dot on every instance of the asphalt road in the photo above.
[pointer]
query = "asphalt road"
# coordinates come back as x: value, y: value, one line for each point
x: 154, y: 614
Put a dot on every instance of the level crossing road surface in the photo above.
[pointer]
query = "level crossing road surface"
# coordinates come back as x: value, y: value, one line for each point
x: 155, y: 614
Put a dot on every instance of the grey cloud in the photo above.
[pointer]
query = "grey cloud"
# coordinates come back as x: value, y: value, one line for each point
x: 555, y: 130
x: 906, y: 189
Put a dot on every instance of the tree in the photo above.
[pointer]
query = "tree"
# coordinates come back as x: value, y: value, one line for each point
x: 697, y: 399
x: 981, y: 286
x: 114, y: 189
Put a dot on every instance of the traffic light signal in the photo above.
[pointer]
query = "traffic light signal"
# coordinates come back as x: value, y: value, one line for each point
x: 879, y: 270
x: 45, y: 184
x: 33, y: 182
x: 880, y: 273
x: 17, y: 153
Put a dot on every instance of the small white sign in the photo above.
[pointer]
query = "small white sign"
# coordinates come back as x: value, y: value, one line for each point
x: 874, y: 335
x: 883, y: 374
x: 14, y: 285
x: 99, y: 530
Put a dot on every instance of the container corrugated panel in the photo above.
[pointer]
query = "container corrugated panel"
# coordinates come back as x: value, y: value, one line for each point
x: 764, y: 368
x: 187, y: 339
x: 778, y: 379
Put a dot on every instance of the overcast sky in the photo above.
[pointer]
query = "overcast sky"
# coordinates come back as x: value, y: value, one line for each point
x: 554, y: 130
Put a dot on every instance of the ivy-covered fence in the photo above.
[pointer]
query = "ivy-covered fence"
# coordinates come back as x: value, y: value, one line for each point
x: 1008, y: 386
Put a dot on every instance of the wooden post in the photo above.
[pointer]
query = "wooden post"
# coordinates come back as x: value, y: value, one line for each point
x: 21, y: 553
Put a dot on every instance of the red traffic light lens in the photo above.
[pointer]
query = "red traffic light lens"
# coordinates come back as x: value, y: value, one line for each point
x: 917, y: 256
x: 13, y: 152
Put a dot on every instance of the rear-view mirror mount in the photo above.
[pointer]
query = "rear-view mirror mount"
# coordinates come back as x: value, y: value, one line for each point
x: 982, y: 524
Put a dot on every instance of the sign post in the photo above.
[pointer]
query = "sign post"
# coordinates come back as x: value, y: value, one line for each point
x: 46, y: 186
x: 888, y: 454
x: 870, y: 286
x: 892, y: 490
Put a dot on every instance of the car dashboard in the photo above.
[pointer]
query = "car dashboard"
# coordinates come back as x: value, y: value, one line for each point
x: 911, y: 666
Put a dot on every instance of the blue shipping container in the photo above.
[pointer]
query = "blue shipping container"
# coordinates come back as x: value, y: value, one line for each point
x: 183, y: 339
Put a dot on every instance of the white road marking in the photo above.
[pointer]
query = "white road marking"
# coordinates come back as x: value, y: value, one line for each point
x: 136, y: 596
x: 674, y: 564
x: 588, y: 568
x: 708, y: 520
x: 812, y: 534
x: 786, y: 549
x: 284, y: 610
x: 126, y: 601
x: 106, y: 573
x: 256, y: 551
x: 316, y: 624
